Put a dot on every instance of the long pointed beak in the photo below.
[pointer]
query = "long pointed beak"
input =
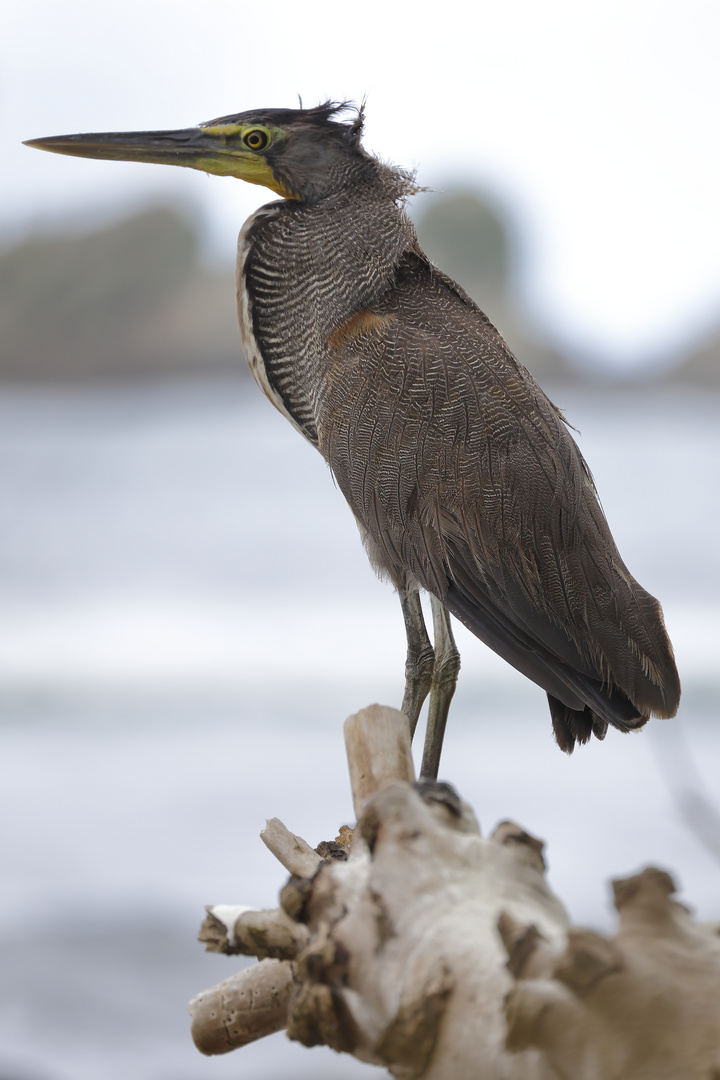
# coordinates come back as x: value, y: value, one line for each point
x: 192, y: 147
x: 212, y: 149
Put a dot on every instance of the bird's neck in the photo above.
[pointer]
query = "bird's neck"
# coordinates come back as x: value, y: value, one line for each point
x: 304, y: 270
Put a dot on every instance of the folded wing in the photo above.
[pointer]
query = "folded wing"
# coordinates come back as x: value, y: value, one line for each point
x: 468, y: 483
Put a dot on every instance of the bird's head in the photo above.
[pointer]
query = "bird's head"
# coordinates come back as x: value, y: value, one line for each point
x: 297, y: 153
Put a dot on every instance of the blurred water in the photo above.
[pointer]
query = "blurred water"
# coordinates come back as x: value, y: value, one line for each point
x: 188, y: 616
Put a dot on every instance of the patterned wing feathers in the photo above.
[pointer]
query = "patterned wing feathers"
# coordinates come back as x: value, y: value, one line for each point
x: 468, y: 483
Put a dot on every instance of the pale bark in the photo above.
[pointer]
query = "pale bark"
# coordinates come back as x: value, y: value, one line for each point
x: 643, y: 1005
x: 253, y: 933
x: 292, y: 851
x: 250, y: 1004
x: 443, y: 955
x: 378, y: 751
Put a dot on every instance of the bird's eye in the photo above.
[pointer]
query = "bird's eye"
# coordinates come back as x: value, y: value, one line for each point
x: 255, y: 139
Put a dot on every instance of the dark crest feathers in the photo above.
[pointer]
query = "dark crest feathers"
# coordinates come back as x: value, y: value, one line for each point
x: 322, y: 115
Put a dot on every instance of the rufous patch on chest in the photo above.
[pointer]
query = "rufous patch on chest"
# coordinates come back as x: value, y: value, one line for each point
x: 359, y: 323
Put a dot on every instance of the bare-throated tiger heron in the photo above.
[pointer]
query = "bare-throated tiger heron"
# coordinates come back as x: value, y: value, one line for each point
x: 462, y: 475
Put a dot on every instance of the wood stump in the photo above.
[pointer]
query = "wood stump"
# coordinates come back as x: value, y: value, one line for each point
x: 413, y: 942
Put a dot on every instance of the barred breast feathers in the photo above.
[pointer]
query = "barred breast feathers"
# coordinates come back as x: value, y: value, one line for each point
x: 305, y: 271
x: 251, y: 348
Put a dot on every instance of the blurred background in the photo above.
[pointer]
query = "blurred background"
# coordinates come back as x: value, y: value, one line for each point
x: 187, y: 614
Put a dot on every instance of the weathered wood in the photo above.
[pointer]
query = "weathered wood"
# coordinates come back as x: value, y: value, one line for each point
x: 419, y: 945
x: 404, y: 961
x: 247, y: 1006
x: 377, y: 741
x: 242, y: 930
x: 292, y: 851
x: 643, y: 1005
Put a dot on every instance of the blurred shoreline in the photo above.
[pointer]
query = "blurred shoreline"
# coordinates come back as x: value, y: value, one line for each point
x: 188, y: 617
x: 136, y: 300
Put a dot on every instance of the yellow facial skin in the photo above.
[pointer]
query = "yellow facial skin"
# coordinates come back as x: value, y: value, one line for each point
x: 237, y: 156
x: 221, y: 149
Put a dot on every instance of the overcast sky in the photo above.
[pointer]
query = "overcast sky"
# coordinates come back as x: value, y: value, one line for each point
x: 595, y: 120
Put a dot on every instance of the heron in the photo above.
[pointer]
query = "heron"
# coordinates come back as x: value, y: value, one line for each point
x: 463, y: 477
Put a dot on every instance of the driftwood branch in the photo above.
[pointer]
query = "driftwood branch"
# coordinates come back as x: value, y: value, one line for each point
x: 253, y: 933
x: 413, y: 942
x: 292, y: 851
x: 378, y: 752
x: 645, y: 1003
x: 247, y: 1006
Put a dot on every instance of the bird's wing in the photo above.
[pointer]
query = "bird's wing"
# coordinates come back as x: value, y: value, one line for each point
x: 467, y: 481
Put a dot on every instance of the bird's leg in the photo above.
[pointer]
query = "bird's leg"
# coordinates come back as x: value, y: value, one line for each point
x: 420, y: 657
x: 444, y: 680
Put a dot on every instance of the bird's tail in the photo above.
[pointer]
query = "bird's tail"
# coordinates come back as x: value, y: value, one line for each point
x: 578, y: 725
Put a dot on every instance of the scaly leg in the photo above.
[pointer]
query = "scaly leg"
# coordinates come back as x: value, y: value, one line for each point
x: 420, y: 657
x: 444, y: 680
